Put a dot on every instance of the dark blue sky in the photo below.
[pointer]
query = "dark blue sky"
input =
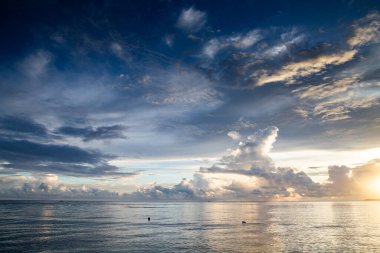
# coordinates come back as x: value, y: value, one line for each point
x: 119, y: 95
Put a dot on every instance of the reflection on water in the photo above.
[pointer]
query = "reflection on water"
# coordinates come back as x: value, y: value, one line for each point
x: 189, y: 227
x: 45, y: 227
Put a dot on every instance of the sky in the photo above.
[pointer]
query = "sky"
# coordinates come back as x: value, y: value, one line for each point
x: 190, y: 100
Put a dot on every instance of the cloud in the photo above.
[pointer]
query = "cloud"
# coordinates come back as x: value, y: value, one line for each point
x: 182, y: 87
x: 322, y: 91
x: 365, y: 30
x: 358, y: 182
x: 191, y: 20
x: 289, y: 39
x: 35, y: 65
x: 341, y: 182
x: 301, y: 112
x: 335, y: 100
x: 338, y: 109
x: 201, y: 187
x: 48, y: 186
x: 121, y: 52
x: 234, y: 135
x: 284, y: 55
x: 90, y: 133
x: 251, y: 153
x: 245, y: 172
x: 241, y: 41
x: 117, y: 49
x: 248, y: 173
x: 244, y: 123
x: 292, y: 71
x: 169, y: 40
x: 26, y: 145
x: 21, y: 127
x: 181, y: 191
x: 339, y: 95
x: 23, y: 155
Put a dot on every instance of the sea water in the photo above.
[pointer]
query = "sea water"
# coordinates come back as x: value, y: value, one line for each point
x: 85, y: 226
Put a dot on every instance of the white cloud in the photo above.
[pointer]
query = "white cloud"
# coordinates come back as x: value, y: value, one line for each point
x: 169, y: 40
x: 316, y: 92
x: 117, y: 49
x: 251, y: 153
x: 36, y: 64
x: 288, y: 39
x: 245, y: 172
x: 359, y: 182
x: 301, y: 112
x: 243, y: 123
x: 42, y: 186
x: 339, y: 108
x: 365, y: 30
x: 191, y: 20
x: 335, y: 100
x: 181, y: 87
x: 292, y: 71
x: 240, y: 41
x: 234, y: 135
x: 247, y: 40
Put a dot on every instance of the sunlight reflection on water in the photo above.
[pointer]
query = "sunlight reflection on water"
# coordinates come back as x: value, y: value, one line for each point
x: 189, y: 227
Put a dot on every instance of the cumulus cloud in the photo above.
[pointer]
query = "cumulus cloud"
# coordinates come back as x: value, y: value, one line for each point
x: 245, y: 172
x: 360, y: 182
x: 251, y: 153
x: 182, y: 191
x: 191, y: 20
x: 341, y: 181
x: 48, y: 186
x: 248, y: 173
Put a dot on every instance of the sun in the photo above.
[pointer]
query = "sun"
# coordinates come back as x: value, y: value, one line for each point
x: 375, y: 185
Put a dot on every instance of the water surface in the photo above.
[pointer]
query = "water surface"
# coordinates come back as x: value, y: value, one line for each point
x: 75, y: 226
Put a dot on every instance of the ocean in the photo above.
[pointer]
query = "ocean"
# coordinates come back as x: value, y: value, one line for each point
x: 84, y: 226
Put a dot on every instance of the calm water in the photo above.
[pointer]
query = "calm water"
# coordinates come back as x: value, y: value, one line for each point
x: 189, y: 227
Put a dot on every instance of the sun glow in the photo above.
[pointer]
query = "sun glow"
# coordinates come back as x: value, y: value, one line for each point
x: 375, y: 185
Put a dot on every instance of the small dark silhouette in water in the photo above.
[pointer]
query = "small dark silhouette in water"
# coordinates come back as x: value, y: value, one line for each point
x: 243, y: 222
x: 148, y: 218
